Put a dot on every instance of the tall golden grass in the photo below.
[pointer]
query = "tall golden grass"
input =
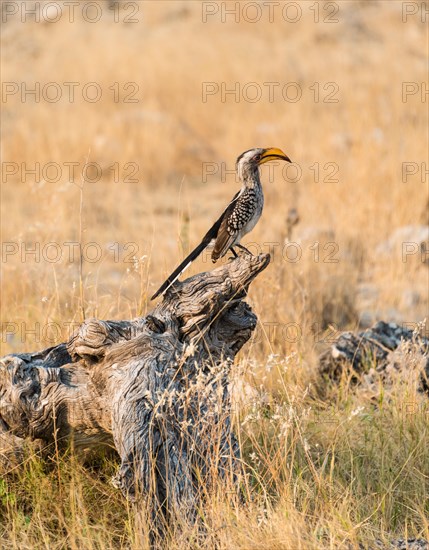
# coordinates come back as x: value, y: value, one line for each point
x: 317, y: 484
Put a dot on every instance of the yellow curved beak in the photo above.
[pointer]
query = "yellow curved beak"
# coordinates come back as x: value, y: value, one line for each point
x: 272, y: 153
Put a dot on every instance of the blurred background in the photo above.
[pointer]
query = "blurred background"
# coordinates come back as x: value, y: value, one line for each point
x: 120, y: 129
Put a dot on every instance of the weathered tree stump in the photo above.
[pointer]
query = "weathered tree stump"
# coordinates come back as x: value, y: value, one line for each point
x: 155, y: 388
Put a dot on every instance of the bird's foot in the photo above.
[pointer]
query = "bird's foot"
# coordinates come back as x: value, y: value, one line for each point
x: 244, y: 249
x: 234, y: 256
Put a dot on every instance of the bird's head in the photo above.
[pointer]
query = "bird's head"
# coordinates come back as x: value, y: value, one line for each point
x: 249, y: 161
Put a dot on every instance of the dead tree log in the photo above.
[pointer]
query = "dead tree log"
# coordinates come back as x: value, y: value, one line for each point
x: 382, y: 350
x: 156, y: 388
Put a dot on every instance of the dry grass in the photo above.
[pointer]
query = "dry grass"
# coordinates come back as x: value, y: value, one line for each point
x: 359, y: 477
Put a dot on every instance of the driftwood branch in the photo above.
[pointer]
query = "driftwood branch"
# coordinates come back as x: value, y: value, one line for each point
x: 155, y: 388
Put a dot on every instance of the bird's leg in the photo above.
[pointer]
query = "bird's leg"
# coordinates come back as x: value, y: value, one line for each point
x: 244, y: 248
x: 235, y: 255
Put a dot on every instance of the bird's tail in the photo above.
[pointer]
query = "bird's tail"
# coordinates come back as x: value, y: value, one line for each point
x: 180, y: 269
x: 208, y: 237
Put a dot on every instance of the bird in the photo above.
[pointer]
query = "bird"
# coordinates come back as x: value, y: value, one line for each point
x: 239, y: 217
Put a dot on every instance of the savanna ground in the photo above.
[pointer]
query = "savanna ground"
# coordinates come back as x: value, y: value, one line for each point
x: 328, y: 468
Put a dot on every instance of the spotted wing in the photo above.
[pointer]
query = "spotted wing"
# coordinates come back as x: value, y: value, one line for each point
x: 236, y: 216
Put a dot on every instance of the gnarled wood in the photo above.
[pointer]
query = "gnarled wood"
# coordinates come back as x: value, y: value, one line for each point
x: 378, y: 349
x: 155, y: 388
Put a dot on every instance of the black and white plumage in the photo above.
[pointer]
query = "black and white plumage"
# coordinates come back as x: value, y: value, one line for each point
x: 239, y: 217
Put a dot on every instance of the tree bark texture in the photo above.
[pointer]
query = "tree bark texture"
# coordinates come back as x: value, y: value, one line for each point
x: 154, y: 388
